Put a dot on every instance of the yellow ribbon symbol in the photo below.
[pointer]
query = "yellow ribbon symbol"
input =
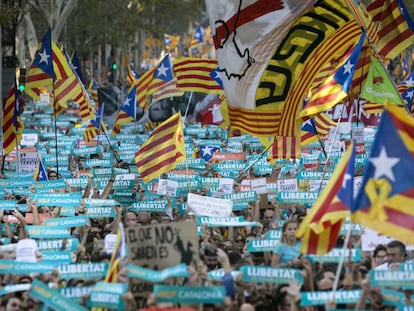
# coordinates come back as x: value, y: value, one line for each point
x: 377, y: 191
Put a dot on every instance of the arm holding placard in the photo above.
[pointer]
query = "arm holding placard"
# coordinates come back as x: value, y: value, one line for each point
x: 109, y: 186
x: 35, y: 211
x: 23, y: 232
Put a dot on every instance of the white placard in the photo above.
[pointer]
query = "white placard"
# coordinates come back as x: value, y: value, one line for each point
x: 226, y: 185
x: 110, y: 241
x: 162, y: 186
x: 44, y: 98
x: 259, y: 185
x: 172, y: 186
x: 287, y: 184
x: 29, y: 139
x: 27, y: 161
x: 26, y: 250
x: 208, y: 206
x: 370, y: 239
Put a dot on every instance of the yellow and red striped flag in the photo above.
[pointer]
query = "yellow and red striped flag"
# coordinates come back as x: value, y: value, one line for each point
x: 195, y: 75
x: 395, y: 27
x: 320, y: 228
x: 163, y: 150
x: 12, y: 125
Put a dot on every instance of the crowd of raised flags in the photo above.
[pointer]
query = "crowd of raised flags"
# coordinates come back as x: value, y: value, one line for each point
x: 165, y: 200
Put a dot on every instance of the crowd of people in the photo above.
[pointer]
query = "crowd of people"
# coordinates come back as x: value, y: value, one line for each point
x: 220, y: 248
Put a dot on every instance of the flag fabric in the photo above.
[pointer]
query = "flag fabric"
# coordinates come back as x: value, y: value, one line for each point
x: 77, y: 66
x: 409, y: 80
x: 143, y: 83
x: 153, y: 79
x: 363, y: 18
x: 163, y: 150
x: 197, y: 75
x: 386, y: 196
x: 395, y: 27
x: 213, y: 113
x: 320, y: 228
x: 408, y: 95
x: 206, y: 152
x: 41, y: 73
x: 216, y: 75
x: 171, y: 42
x: 12, y: 125
x: 118, y: 257
x: 336, y: 87
x: 93, y: 90
x: 168, y: 90
x: 95, y: 125
x: 405, y: 71
x: 309, y: 133
x: 40, y: 173
x: 132, y: 75
x: 127, y: 112
x: 263, y: 85
x: 196, y: 40
x: 285, y: 147
x: 378, y: 87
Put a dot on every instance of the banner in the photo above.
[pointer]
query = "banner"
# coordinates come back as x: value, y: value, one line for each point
x: 159, y: 247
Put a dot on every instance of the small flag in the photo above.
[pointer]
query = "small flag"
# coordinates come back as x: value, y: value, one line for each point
x: 163, y: 150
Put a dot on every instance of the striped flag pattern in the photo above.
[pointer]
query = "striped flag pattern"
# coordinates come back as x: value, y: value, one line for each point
x: 386, y: 195
x: 132, y: 75
x: 336, y: 86
x: 167, y: 90
x: 93, y: 90
x: 194, y: 75
x: 394, y: 26
x: 118, y: 257
x: 320, y: 228
x: 127, y: 113
x: 285, y: 147
x: 163, y: 150
x: 12, y: 125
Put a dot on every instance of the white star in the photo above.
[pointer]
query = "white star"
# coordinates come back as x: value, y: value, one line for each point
x: 40, y: 175
x: 127, y: 102
x: 348, y: 67
x: 206, y: 150
x: 347, y: 177
x: 409, y: 81
x: 44, y: 57
x: 162, y: 70
x: 307, y: 123
x: 384, y: 164
x: 410, y: 94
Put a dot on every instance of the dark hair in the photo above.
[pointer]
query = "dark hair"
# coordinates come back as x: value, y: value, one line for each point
x: 378, y: 248
x: 397, y: 244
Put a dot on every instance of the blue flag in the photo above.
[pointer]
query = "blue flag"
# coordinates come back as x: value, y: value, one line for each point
x: 206, y: 152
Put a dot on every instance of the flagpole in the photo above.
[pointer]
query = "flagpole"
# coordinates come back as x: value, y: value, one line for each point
x: 17, y: 153
x: 109, y: 143
x: 255, y: 161
x: 340, y: 265
x: 56, y: 136
x: 188, y: 105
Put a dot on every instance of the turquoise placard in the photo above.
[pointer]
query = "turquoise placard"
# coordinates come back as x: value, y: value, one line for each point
x: 157, y: 276
x: 270, y: 275
x: 261, y: 245
x: 51, y: 232
x: 66, y: 222
x: 76, y: 292
x: 245, y: 196
x: 392, y: 278
x: 322, y: 297
x: 108, y: 296
x: 14, y: 288
x: 52, y: 298
x: 57, y: 257
x: 336, y: 254
x: 150, y: 206
x: 87, y: 271
x: 8, y: 266
x: 190, y: 294
x: 58, y: 245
